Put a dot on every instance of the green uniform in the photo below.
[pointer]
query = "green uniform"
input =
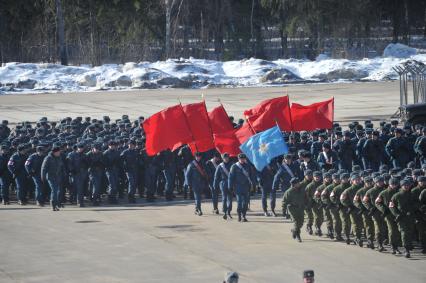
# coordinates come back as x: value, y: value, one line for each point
x: 310, y: 203
x: 317, y: 208
x: 401, y: 206
x: 366, y: 217
x: 347, y: 200
x: 328, y: 207
x: 294, y: 202
x: 421, y: 217
x: 379, y: 223
x: 340, y: 216
x: 382, y: 204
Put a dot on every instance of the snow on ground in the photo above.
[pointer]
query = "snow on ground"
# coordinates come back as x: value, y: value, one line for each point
x: 199, y: 73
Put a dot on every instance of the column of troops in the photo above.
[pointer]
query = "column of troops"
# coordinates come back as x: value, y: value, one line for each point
x: 364, y: 182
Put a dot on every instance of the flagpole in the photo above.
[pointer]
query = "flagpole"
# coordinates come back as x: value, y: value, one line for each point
x: 332, y: 127
x: 208, y: 118
x: 250, y: 126
x: 187, y: 124
x: 289, y: 108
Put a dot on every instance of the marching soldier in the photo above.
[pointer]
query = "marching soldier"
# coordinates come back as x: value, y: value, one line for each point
x: 401, y: 206
x: 294, y: 202
x: 241, y: 181
x: 382, y: 204
x: 196, y: 179
x: 221, y: 182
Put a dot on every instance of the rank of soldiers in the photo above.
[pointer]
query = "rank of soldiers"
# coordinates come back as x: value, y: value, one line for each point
x: 361, y: 186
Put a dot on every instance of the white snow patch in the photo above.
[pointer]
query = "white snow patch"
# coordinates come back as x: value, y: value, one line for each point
x: 197, y: 73
x: 399, y: 50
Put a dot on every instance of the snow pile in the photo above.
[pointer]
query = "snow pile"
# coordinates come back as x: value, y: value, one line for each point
x: 399, y: 50
x: 199, y: 73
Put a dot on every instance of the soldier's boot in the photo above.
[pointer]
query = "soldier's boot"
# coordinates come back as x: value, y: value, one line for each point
x: 407, y: 252
x: 215, y: 211
x: 309, y: 229
x: 200, y: 212
x: 244, y: 218
x: 225, y: 217
x: 381, y: 248
x: 265, y: 212
x: 298, y: 236
x: 370, y: 244
x: 424, y: 250
x: 395, y: 250
x: 359, y: 242
x: 229, y: 215
x: 293, y: 233
x: 318, y: 232
x: 273, y: 213
x: 196, y: 212
x: 348, y: 240
x: 331, y: 232
x: 239, y: 217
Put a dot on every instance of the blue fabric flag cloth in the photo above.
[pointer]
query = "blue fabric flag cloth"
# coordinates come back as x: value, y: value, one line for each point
x: 265, y: 146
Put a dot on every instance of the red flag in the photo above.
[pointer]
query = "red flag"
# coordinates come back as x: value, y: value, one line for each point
x: 269, y: 112
x: 159, y: 135
x: 199, y: 124
x: 311, y: 117
x: 244, y: 133
x: 227, y: 142
x: 219, y: 120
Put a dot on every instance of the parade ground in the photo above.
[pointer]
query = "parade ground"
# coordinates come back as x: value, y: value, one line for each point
x: 165, y: 241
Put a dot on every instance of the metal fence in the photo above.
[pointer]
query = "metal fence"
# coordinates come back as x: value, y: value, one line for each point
x: 413, y: 72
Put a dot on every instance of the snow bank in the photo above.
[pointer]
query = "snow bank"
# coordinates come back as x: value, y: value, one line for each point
x: 399, y: 50
x: 198, y: 73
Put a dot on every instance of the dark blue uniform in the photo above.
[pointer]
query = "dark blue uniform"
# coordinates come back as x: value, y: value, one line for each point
x: 16, y: 166
x: 265, y: 180
x: 130, y: 161
x: 96, y: 166
x: 112, y: 163
x: 196, y: 179
x: 221, y: 182
x: 33, y: 167
x: 5, y: 177
x: 399, y: 151
x: 52, y: 171
x: 211, y: 166
x: 77, y: 166
x: 240, y: 181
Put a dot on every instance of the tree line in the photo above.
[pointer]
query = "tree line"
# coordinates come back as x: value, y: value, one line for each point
x: 105, y: 31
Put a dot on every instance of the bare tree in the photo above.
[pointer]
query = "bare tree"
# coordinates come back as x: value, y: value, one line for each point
x: 61, y: 33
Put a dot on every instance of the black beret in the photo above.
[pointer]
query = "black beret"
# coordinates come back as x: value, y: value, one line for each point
x: 242, y: 156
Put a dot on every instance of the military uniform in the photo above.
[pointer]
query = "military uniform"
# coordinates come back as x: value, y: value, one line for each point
x: 221, y: 182
x: 5, y: 176
x: 362, y: 210
x: 420, y: 216
x: 196, y: 179
x: 33, y: 167
x: 294, y: 202
x: 382, y: 204
x: 401, y: 206
x: 241, y: 181
x: 347, y: 200
x: 331, y: 213
x: 77, y: 166
x: 52, y: 171
x: 315, y: 208
x: 340, y: 216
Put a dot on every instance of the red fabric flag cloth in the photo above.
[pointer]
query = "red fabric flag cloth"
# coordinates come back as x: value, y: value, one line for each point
x: 167, y: 129
x: 311, y: 117
x: 219, y: 120
x: 244, y: 133
x: 199, y: 124
x: 227, y: 142
x: 266, y: 114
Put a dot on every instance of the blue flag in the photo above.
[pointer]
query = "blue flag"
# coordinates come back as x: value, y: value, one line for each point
x: 265, y: 146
